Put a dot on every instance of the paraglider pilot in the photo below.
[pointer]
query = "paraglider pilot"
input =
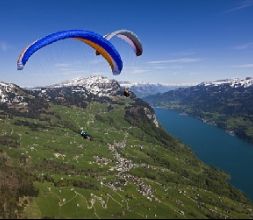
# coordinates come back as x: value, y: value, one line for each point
x: 126, y: 92
x: 85, y: 135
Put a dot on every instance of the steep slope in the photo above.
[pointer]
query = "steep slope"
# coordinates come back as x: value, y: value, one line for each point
x: 18, y: 101
x: 226, y: 103
x: 131, y: 169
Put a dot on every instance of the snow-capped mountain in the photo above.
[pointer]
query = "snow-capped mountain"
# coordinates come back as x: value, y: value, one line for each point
x: 248, y: 81
x: 12, y: 94
x: 80, y: 91
x: 103, y: 87
x: 145, y: 89
x: 226, y: 103
x: 95, y: 85
x: 16, y: 100
x: 230, y: 97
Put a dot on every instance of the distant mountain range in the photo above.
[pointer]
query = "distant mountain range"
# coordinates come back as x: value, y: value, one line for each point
x: 226, y: 103
x: 145, y: 89
x: 235, y: 83
x: 131, y: 168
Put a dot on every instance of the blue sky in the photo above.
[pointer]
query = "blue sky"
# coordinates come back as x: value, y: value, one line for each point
x: 184, y: 41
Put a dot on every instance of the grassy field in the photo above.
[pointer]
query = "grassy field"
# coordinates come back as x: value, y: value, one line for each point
x: 123, y: 173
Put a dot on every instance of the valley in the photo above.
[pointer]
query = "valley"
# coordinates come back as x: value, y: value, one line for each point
x: 131, y: 169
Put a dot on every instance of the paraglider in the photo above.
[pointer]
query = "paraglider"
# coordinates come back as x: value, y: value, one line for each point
x: 96, y: 41
x: 128, y: 36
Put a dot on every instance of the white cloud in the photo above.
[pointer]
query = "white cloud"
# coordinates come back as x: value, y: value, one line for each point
x: 241, y: 5
x: 177, y: 60
x: 136, y: 69
x: 244, y: 46
x: 68, y: 68
x: 249, y: 65
x: 62, y: 65
x: 96, y: 61
x: 185, y: 53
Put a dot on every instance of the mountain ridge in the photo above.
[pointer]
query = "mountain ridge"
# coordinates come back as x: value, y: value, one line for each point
x: 225, y: 103
x: 235, y: 82
x: 131, y: 169
x: 144, y: 89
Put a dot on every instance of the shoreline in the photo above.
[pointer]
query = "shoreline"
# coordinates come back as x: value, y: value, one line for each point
x: 205, y: 121
x: 199, y: 155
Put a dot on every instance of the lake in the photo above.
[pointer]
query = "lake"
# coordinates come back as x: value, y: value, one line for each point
x: 213, y: 146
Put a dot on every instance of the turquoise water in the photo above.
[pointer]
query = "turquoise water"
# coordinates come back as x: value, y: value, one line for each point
x: 213, y: 146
